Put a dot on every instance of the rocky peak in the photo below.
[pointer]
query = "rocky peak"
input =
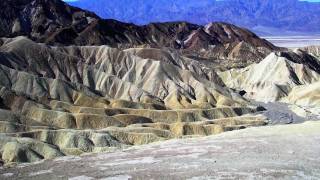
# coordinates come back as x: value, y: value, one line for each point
x: 57, y: 23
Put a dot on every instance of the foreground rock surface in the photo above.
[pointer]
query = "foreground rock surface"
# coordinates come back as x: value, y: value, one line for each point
x: 273, y: 152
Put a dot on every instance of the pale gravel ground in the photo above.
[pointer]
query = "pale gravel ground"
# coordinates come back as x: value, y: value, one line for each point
x: 271, y: 152
x: 279, y: 113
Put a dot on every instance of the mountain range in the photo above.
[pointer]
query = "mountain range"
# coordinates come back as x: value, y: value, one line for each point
x: 264, y: 17
x: 54, y: 22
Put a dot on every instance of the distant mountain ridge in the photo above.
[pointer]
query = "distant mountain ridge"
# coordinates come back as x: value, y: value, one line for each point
x: 284, y: 15
x: 57, y: 23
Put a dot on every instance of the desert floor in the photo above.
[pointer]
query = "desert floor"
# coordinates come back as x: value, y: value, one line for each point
x: 271, y: 152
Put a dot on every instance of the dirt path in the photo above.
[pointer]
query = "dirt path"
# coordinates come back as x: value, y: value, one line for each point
x: 283, y: 151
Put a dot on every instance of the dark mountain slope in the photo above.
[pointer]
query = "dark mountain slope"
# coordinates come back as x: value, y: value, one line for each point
x: 54, y: 22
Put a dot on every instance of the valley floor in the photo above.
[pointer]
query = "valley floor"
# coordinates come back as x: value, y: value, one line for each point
x: 294, y: 41
x: 271, y: 152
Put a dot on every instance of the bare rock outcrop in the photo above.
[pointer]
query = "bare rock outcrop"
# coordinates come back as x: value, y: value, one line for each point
x: 69, y: 100
x: 275, y: 76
